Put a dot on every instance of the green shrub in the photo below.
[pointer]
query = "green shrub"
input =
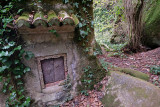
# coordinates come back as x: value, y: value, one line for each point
x: 155, y: 70
x: 90, y: 77
x: 106, y: 15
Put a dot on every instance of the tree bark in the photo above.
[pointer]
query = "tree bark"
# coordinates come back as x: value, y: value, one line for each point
x: 133, y: 12
x: 91, y: 42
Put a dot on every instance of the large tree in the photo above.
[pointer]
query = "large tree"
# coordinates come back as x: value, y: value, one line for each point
x: 133, y: 12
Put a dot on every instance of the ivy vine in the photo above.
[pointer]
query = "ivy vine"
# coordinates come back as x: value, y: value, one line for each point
x: 107, y: 16
x: 12, y: 70
x: 86, y: 23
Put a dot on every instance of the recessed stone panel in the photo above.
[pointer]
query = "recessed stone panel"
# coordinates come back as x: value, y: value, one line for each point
x: 53, y: 70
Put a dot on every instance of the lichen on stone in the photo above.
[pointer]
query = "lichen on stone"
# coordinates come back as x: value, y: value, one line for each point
x: 51, y: 14
x: 23, y: 20
x: 109, y: 100
x: 76, y: 21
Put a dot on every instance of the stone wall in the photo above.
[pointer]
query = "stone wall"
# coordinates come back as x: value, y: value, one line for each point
x: 47, y: 44
x: 42, y: 43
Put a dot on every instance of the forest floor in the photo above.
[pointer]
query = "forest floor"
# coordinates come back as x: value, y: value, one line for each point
x: 138, y: 61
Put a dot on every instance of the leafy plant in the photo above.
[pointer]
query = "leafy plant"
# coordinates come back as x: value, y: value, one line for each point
x: 85, y: 92
x: 106, y: 15
x: 105, y: 64
x: 155, y: 70
x: 12, y: 70
x: 67, y: 84
x: 85, y: 18
x: 54, y: 32
x: 155, y: 77
x: 90, y: 77
x: 67, y: 87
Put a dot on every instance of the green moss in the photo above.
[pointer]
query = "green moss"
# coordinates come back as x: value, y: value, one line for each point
x: 23, y: 20
x: 135, y: 90
x: 24, y: 16
x: 68, y: 21
x: 133, y: 73
x: 111, y: 54
x: 76, y: 21
x: 151, y: 19
x: 140, y: 92
x: 40, y: 22
x: 51, y: 15
x: 109, y: 100
x: 90, y: 77
x: 39, y: 15
x: 39, y: 19
x: 109, y: 73
x: 153, y: 12
x: 53, y: 19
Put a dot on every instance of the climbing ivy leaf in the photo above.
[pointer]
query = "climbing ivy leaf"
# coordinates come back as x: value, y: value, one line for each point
x: 80, y: 25
x: 76, y: 4
x: 54, y: 32
x: 27, y: 69
x: 65, y: 1
x: 83, y: 33
x: 29, y: 55
x: 19, y: 11
x: 3, y: 68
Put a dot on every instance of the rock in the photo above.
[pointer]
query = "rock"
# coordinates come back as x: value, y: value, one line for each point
x: 133, y: 73
x: 127, y: 91
x: 152, y: 24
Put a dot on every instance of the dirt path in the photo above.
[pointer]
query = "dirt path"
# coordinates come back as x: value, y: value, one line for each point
x: 139, y: 61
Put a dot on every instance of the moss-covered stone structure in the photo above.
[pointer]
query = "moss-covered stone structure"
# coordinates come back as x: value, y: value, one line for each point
x: 56, y: 56
x: 49, y: 34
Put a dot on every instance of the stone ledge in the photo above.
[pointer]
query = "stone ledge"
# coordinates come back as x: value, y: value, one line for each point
x: 45, y: 30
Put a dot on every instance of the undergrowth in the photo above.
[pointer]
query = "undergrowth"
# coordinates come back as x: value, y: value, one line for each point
x: 12, y: 70
x: 155, y: 75
x: 106, y: 14
x: 91, y: 76
x: 155, y: 70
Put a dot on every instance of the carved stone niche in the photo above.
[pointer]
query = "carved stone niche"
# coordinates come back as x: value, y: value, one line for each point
x: 52, y: 69
x: 55, y: 59
x: 58, y: 61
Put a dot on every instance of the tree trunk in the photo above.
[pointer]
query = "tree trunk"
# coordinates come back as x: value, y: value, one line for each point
x: 133, y: 12
x: 91, y: 43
